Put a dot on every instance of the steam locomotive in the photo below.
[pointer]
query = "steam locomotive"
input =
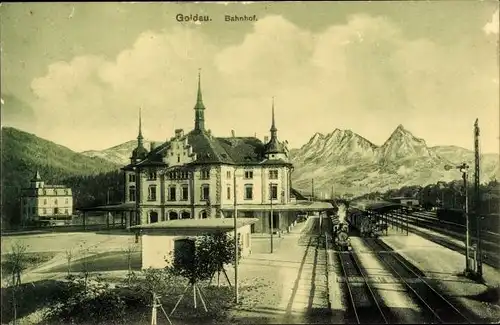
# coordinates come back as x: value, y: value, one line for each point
x: 341, y: 236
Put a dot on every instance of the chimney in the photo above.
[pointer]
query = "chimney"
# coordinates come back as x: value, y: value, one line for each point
x: 232, y: 133
x: 266, y: 139
x: 152, y: 146
x: 179, y: 133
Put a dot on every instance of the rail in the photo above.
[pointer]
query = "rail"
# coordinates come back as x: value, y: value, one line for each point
x: 360, y: 317
x: 449, y: 309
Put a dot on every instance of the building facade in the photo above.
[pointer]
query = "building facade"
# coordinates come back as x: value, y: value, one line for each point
x: 42, y: 202
x: 198, y: 175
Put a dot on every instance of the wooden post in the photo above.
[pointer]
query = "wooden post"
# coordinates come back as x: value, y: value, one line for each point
x: 235, y: 218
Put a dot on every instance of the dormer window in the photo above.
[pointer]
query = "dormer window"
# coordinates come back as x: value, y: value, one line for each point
x: 152, y: 176
x: 205, y: 174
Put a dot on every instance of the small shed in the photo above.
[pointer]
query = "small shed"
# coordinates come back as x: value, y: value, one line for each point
x: 158, y: 239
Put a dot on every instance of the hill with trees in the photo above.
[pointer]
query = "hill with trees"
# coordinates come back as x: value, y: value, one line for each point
x: 24, y: 153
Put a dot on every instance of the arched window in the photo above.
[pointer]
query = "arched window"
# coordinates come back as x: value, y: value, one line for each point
x: 203, y: 214
x: 185, y: 215
x: 153, y: 217
x: 55, y: 201
x: 173, y: 215
x: 131, y: 193
x: 152, y: 193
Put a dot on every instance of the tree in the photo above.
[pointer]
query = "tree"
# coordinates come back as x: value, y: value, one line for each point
x: 219, y: 248
x: 199, y: 259
x: 15, y: 265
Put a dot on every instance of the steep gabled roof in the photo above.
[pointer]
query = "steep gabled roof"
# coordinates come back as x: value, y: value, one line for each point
x: 212, y: 150
x: 243, y: 150
x: 207, y: 148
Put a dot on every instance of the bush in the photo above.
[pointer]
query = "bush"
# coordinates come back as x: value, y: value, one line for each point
x: 91, y: 302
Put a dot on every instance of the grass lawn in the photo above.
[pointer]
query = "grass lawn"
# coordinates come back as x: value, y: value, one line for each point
x: 31, y: 260
x: 109, y: 261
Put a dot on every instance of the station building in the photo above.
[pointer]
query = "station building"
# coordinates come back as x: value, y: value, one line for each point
x: 196, y: 175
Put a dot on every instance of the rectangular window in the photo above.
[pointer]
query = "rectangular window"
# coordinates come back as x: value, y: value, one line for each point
x: 66, y: 211
x: 205, y: 174
x: 67, y: 201
x: 248, y: 192
x: 44, y: 211
x: 131, y: 177
x: 56, y: 210
x: 248, y: 174
x: 228, y: 174
x: 131, y: 193
x: 205, y: 192
x: 273, y: 174
x: 178, y: 158
x: 152, y: 193
x: 274, y: 192
x: 185, y: 193
x: 171, y: 193
x: 229, y: 192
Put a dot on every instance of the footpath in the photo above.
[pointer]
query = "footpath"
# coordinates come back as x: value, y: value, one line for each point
x: 283, y: 287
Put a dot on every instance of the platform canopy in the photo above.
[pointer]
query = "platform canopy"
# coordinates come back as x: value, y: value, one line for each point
x: 375, y: 206
x: 299, y: 206
x: 110, y: 207
x: 194, y: 226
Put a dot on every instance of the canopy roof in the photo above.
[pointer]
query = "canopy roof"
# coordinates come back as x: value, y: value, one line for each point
x: 197, y: 225
x: 379, y: 206
x: 299, y: 206
x: 110, y: 207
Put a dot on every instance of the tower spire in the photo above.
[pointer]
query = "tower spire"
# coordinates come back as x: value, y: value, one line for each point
x: 273, y: 124
x: 139, y: 137
x: 199, y: 118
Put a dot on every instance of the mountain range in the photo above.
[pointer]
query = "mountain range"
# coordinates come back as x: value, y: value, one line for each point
x: 342, y: 161
x: 346, y: 163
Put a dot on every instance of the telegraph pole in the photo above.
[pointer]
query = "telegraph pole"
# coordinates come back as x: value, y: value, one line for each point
x: 477, y: 198
x: 235, y: 217
x: 312, y: 190
x: 271, y: 218
x: 464, y: 170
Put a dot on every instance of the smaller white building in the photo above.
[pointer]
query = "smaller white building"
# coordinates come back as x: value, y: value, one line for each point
x: 158, y: 239
x: 42, y: 202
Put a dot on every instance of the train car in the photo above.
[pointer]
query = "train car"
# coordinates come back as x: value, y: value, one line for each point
x: 367, y: 224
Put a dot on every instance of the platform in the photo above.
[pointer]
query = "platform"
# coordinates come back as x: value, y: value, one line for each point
x: 442, y: 266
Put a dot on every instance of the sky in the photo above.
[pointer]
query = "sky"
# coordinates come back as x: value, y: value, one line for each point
x: 77, y: 73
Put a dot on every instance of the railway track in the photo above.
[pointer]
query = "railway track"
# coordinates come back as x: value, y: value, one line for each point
x: 437, y: 307
x: 364, y: 302
x: 489, y: 249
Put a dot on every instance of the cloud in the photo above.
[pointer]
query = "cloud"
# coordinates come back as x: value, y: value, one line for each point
x: 492, y: 26
x: 365, y: 75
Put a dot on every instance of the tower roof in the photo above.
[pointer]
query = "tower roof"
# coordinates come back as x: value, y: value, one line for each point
x: 274, y: 146
x: 273, y: 124
x: 199, y: 98
x: 139, y: 152
x: 36, y: 177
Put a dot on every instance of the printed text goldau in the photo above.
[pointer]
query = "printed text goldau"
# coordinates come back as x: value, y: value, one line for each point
x: 181, y: 17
